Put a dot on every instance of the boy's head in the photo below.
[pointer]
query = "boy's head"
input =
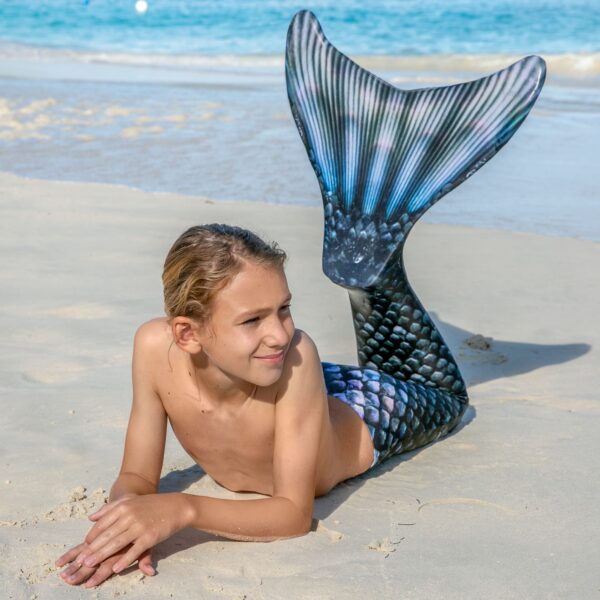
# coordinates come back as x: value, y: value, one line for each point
x: 228, y: 302
x: 204, y: 259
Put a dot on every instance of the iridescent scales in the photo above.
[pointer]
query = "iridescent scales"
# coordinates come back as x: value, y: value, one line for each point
x: 382, y: 157
x: 400, y: 415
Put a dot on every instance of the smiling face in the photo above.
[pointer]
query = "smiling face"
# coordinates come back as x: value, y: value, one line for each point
x: 251, y: 326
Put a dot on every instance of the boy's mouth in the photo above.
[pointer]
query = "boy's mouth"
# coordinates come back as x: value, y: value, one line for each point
x: 272, y: 358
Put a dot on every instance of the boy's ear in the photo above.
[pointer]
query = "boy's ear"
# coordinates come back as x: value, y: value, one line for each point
x: 186, y: 334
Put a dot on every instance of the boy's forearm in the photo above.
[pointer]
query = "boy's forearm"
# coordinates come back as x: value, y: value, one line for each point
x: 264, y: 519
x: 130, y: 483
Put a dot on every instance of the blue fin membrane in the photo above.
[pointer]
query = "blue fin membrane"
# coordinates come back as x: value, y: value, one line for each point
x: 383, y: 155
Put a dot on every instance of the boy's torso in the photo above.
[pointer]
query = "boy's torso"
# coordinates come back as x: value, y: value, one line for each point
x: 234, y: 443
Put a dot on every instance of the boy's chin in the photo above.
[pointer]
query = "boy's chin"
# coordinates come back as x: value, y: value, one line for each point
x: 267, y: 379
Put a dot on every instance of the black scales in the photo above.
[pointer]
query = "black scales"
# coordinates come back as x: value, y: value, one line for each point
x: 383, y: 156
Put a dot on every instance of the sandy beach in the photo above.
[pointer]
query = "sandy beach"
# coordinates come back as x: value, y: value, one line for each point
x: 119, y: 131
x: 505, y: 507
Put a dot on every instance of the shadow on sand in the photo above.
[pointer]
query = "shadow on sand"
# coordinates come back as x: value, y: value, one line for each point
x: 480, y: 359
x: 483, y: 358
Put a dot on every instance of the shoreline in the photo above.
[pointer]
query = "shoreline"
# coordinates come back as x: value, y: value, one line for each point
x: 570, y: 69
x: 134, y: 132
x: 427, y: 219
x: 264, y: 205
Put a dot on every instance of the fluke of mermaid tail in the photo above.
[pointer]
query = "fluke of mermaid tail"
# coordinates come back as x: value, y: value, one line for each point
x: 383, y: 156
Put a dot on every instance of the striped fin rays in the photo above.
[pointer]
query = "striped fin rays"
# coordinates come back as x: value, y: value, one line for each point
x: 384, y: 152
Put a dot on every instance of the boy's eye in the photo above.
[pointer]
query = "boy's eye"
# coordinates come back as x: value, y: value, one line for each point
x: 286, y: 307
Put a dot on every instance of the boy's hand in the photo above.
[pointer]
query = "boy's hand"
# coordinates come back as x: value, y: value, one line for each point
x: 131, y: 526
x: 77, y: 573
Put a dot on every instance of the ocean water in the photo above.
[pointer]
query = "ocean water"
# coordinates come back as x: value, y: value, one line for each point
x: 190, y: 97
x: 413, y: 27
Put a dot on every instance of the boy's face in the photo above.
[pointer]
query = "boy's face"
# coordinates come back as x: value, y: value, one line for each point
x: 251, y: 325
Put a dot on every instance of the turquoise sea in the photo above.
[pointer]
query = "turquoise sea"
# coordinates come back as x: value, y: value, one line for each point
x: 189, y: 96
x: 401, y: 27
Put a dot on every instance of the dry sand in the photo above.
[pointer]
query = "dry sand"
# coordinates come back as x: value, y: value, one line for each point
x: 506, y: 507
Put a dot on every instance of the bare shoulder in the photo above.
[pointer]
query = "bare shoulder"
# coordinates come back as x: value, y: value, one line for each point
x: 302, y: 368
x: 150, y: 353
x: 152, y: 341
x: 152, y: 334
x: 302, y: 351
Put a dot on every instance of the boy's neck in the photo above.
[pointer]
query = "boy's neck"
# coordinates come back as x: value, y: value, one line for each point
x: 216, y: 387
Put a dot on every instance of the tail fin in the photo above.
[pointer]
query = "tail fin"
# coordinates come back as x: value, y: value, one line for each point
x: 383, y: 156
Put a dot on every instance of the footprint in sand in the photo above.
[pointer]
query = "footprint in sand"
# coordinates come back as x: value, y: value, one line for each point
x: 80, y: 311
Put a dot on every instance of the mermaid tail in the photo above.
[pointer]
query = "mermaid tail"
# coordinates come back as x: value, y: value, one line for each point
x: 383, y: 156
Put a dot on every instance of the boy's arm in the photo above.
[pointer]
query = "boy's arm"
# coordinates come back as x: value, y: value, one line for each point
x: 147, y: 428
x: 299, y: 413
x: 144, y: 445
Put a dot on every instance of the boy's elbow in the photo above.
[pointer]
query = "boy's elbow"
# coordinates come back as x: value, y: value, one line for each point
x: 299, y: 523
x: 292, y: 530
x: 306, y: 527
x: 302, y: 525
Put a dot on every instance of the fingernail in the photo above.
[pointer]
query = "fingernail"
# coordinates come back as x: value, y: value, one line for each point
x: 90, y: 561
x: 117, y: 567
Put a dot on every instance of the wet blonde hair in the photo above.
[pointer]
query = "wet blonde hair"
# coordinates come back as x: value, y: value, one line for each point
x: 204, y: 259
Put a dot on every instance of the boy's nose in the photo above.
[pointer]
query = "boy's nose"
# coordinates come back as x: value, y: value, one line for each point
x: 277, y: 335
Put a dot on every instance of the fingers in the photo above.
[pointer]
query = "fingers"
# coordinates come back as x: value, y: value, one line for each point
x: 145, y: 563
x: 103, y: 572
x: 114, y: 540
x: 102, y: 511
x: 132, y: 554
x: 108, y: 507
x: 101, y: 525
x: 106, y: 569
x: 107, y: 536
x: 70, y: 555
x: 75, y: 574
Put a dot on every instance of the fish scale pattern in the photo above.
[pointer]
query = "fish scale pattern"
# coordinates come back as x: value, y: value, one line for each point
x: 395, y: 334
x: 383, y: 156
x: 400, y: 415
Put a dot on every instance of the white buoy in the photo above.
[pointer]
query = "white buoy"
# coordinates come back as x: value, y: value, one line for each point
x: 141, y: 6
